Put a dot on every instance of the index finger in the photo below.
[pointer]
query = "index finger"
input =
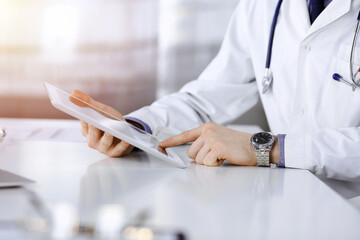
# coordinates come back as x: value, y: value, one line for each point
x: 182, y: 138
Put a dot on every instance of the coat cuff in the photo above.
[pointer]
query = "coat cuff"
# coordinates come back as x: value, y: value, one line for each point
x: 281, y: 142
x: 296, y: 151
x: 143, y: 124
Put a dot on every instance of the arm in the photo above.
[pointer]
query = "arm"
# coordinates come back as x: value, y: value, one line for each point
x: 332, y: 153
x: 222, y: 93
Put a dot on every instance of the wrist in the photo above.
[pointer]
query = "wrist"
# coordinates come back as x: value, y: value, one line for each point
x: 275, y: 153
x: 266, y: 148
x: 253, y: 160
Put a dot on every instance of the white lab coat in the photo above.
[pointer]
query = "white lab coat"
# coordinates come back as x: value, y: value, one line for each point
x: 320, y: 117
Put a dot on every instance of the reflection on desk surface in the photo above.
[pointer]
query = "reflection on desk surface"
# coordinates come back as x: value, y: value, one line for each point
x: 165, y: 190
x: 207, y: 203
x: 19, y: 203
x: 223, y: 194
x: 113, y: 180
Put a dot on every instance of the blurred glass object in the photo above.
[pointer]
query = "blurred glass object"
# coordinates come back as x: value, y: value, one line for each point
x: 2, y: 134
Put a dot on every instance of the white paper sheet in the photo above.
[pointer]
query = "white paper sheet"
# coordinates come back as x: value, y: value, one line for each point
x: 42, y: 130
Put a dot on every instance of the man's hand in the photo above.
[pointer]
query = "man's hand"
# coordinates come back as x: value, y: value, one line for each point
x: 97, y: 139
x: 213, y: 144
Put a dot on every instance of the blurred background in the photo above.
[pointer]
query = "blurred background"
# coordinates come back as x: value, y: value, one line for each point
x: 125, y: 53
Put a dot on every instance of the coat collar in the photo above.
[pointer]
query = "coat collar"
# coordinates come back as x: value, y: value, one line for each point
x: 335, y: 10
x: 299, y: 12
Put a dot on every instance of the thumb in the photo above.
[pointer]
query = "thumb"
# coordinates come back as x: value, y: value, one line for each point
x: 77, y: 94
x: 84, y: 100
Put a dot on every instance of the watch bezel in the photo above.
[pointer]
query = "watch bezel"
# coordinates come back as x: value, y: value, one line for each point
x: 263, y: 145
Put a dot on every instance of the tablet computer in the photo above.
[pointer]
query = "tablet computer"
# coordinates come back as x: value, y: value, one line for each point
x: 111, y: 124
x: 8, y: 179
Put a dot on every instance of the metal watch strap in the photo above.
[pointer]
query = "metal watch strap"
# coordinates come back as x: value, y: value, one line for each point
x: 263, y: 157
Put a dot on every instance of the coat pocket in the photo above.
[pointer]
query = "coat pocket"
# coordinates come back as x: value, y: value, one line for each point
x: 340, y: 106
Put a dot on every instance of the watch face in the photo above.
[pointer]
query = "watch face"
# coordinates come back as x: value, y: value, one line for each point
x: 262, y: 138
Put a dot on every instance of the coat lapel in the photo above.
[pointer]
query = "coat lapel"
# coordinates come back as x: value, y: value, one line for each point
x: 335, y: 10
x: 298, y: 15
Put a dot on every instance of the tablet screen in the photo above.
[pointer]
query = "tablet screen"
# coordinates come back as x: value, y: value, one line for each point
x: 110, y: 124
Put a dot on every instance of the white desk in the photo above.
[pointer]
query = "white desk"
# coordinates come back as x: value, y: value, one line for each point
x: 227, y: 202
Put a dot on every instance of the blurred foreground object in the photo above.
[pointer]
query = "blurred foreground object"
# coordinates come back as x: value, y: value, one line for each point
x: 2, y: 134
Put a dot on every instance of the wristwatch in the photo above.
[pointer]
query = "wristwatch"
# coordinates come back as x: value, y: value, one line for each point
x: 262, y: 143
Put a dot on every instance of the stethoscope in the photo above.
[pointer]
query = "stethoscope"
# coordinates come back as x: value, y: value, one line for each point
x: 337, y: 77
x: 268, y: 77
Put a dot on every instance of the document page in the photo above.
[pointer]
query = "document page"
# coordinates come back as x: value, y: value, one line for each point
x: 42, y: 130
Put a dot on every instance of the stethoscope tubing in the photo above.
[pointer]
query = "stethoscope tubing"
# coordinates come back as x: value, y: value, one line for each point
x: 267, y: 80
x: 352, y: 53
x: 272, y: 34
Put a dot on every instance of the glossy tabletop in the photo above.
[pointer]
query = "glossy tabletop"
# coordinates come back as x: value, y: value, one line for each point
x: 226, y: 202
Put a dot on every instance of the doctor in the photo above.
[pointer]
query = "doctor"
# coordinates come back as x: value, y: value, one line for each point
x: 314, y: 118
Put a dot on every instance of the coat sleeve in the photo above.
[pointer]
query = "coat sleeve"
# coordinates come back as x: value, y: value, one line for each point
x: 331, y: 153
x: 222, y: 93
